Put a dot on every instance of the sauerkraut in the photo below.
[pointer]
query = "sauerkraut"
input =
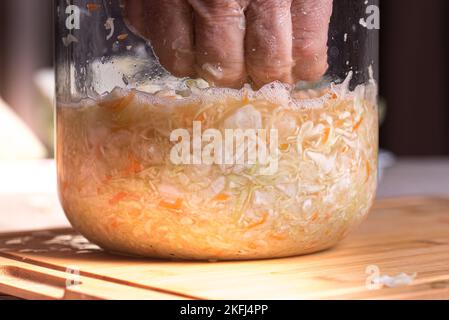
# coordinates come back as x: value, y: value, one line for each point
x: 120, y: 187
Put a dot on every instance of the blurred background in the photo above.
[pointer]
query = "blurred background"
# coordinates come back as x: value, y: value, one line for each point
x: 413, y: 86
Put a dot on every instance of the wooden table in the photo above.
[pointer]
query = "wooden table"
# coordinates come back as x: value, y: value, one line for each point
x: 409, y: 235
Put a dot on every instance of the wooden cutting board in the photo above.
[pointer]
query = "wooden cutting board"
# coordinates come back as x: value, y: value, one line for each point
x: 400, y: 236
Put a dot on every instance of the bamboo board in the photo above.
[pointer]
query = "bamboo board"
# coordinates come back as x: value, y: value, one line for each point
x: 400, y: 236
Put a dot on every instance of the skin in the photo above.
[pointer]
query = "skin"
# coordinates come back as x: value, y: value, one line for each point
x: 229, y: 42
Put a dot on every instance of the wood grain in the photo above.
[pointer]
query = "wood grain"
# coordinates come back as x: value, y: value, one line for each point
x: 400, y: 236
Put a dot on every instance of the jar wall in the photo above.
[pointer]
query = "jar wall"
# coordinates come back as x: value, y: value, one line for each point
x: 154, y: 165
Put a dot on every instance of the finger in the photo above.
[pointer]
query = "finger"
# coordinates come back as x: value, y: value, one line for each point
x: 134, y: 15
x: 219, y: 41
x: 310, y: 34
x: 269, y: 41
x: 168, y: 26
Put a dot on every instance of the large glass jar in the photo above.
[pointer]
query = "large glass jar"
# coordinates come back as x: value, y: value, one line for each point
x: 216, y: 129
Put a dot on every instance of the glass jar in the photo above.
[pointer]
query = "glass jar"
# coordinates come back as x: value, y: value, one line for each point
x: 166, y: 149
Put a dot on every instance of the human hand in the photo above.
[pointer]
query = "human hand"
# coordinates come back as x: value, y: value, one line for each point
x: 228, y: 42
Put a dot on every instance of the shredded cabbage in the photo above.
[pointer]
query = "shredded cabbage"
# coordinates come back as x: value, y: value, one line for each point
x: 119, y: 188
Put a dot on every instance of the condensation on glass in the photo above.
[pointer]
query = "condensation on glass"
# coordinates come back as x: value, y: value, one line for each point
x: 154, y: 165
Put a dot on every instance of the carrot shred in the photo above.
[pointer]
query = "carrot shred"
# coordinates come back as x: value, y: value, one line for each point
x: 134, y: 166
x: 92, y: 7
x: 314, y: 217
x: 122, y: 195
x: 221, y: 197
x: 260, y: 222
x: 368, y: 171
x: 117, y: 198
x: 357, y: 125
x: 171, y: 205
x: 284, y: 146
x: 122, y: 37
x: 326, y: 134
